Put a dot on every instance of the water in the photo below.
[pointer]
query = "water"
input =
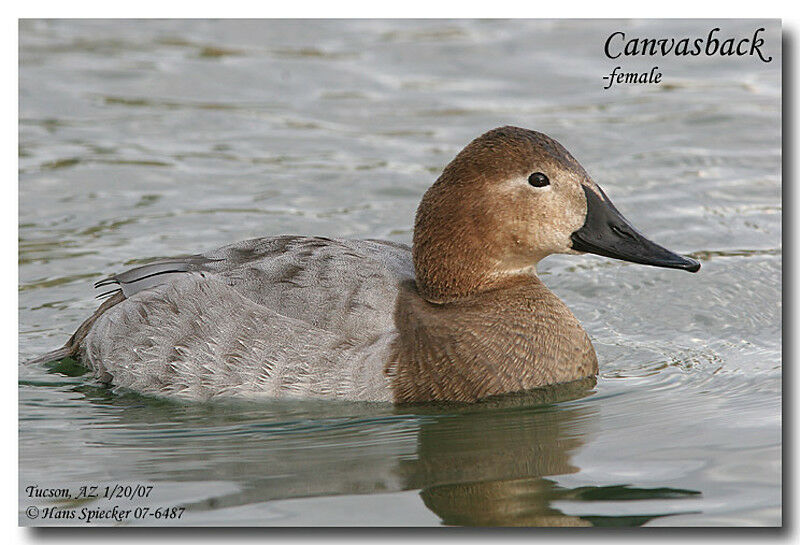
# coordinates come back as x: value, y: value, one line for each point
x: 158, y: 138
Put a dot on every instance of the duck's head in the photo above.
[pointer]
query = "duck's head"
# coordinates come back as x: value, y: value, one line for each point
x: 509, y: 199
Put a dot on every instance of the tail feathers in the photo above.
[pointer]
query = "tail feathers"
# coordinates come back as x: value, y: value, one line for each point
x: 55, y: 355
x: 72, y: 348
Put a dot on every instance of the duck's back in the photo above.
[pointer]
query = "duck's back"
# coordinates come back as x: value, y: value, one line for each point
x: 343, y: 286
x: 283, y: 316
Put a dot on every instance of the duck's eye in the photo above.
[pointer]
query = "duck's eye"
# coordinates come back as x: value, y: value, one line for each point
x: 537, y: 179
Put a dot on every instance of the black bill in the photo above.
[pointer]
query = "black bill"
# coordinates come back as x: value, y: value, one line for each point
x: 606, y: 232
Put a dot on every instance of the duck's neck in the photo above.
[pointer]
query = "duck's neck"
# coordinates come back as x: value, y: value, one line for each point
x: 514, y: 338
x: 446, y: 270
x: 457, y: 265
x: 454, y: 243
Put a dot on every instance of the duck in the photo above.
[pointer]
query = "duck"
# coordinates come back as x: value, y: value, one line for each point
x: 459, y: 316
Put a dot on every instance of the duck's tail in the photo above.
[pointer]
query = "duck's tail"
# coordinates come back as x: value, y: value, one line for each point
x: 72, y: 346
x: 54, y: 355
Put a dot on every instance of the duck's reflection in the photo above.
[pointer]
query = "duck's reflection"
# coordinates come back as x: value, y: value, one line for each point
x: 486, y: 464
x: 490, y: 468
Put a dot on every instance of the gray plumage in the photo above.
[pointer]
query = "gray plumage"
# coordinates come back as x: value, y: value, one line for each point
x: 290, y: 316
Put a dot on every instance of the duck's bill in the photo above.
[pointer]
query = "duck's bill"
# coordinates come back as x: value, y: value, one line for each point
x: 606, y: 232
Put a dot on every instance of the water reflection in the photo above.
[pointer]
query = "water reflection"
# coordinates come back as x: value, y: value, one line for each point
x: 489, y: 467
x: 486, y: 464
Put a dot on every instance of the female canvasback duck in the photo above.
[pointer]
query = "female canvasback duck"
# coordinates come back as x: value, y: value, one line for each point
x: 459, y: 316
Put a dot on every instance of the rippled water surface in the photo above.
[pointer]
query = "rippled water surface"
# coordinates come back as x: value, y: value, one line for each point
x: 157, y: 138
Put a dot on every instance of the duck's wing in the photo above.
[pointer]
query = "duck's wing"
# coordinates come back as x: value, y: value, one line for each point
x: 197, y: 338
x: 282, y: 316
x: 152, y: 274
x: 343, y: 286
